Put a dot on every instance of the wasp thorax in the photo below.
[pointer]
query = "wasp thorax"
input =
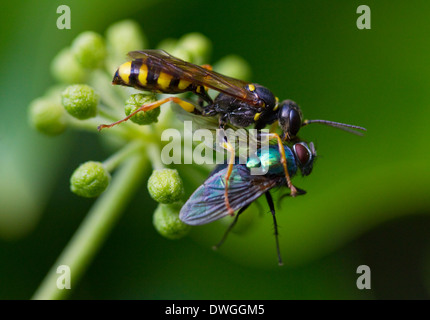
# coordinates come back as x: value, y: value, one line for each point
x: 266, y: 97
x: 290, y: 118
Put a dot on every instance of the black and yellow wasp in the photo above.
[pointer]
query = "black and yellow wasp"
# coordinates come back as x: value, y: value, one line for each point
x: 238, y: 103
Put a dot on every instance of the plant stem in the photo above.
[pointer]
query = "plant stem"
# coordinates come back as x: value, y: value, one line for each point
x: 154, y: 155
x: 88, y: 239
x: 102, y: 83
x: 117, y: 158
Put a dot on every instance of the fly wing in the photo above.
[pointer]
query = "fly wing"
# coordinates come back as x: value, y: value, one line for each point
x: 207, y: 203
x: 196, y: 74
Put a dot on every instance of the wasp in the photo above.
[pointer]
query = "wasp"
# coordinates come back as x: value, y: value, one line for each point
x: 207, y: 203
x: 238, y: 102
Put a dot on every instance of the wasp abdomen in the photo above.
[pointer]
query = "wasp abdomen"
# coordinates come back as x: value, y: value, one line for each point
x: 143, y: 75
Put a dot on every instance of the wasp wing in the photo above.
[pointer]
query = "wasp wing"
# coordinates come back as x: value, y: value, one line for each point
x: 196, y: 74
x: 207, y: 203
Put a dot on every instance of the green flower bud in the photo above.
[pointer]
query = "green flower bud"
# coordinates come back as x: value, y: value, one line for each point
x: 234, y: 66
x: 166, y: 221
x: 198, y: 45
x: 47, y: 116
x: 125, y: 36
x: 168, y: 45
x: 134, y: 102
x: 89, y: 50
x: 165, y: 186
x: 65, y: 68
x: 80, y: 101
x: 183, y: 54
x: 89, y: 179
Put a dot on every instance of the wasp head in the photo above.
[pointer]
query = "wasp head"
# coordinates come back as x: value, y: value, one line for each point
x: 290, y: 118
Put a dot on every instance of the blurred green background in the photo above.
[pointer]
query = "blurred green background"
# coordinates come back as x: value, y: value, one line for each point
x: 367, y: 200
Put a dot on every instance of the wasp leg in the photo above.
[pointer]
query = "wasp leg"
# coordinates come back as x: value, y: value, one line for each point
x: 284, y: 162
x: 187, y: 106
x: 230, y: 227
x: 275, y: 225
x: 203, y: 97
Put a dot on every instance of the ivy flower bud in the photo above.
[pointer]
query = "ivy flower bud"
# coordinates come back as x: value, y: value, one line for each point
x: 89, y: 50
x: 168, y: 45
x: 125, y: 36
x: 234, y: 66
x: 166, y: 221
x: 47, y: 116
x: 65, y: 68
x: 134, y: 102
x: 198, y: 45
x: 165, y: 186
x: 182, y: 53
x: 80, y: 101
x: 90, y: 179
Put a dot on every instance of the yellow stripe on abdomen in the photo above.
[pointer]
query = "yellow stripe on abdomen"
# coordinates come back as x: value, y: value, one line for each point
x: 143, y: 74
x: 124, y: 72
x: 164, y: 80
x: 183, y: 84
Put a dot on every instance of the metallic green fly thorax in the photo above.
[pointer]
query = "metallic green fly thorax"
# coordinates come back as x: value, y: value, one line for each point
x: 270, y: 161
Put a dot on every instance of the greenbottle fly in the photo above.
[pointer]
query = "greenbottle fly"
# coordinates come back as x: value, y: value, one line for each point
x: 207, y: 203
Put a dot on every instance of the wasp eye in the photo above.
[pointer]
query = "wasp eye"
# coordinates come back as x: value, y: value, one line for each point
x: 295, y: 120
x: 290, y: 118
x: 302, y: 152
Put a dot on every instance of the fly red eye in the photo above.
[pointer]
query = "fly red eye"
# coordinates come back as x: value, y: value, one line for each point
x: 302, y: 153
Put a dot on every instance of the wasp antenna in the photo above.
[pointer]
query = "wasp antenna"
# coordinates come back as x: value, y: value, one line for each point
x: 346, y: 127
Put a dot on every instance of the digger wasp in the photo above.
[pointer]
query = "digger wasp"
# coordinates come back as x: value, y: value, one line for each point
x: 238, y: 103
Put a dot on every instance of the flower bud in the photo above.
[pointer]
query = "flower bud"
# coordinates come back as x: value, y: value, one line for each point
x: 165, y: 186
x: 234, y: 66
x: 125, y: 36
x: 80, y: 101
x: 89, y: 50
x: 47, y: 116
x: 65, y: 68
x: 166, y: 221
x: 168, y: 44
x: 134, y: 102
x: 90, y: 179
x: 198, y: 46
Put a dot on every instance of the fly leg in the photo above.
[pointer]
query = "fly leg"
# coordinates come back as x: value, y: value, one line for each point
x: 230, y: 227
x: 284, y: 162
x: 275, y: 225
x: 229, y: 147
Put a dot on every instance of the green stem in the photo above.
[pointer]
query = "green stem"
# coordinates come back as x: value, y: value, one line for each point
x: 125, y: 132
x: 102, y: 83
x: 87, y: 240
x: 154, y: 155
x: 117, y: 158
x: 107, y: 113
